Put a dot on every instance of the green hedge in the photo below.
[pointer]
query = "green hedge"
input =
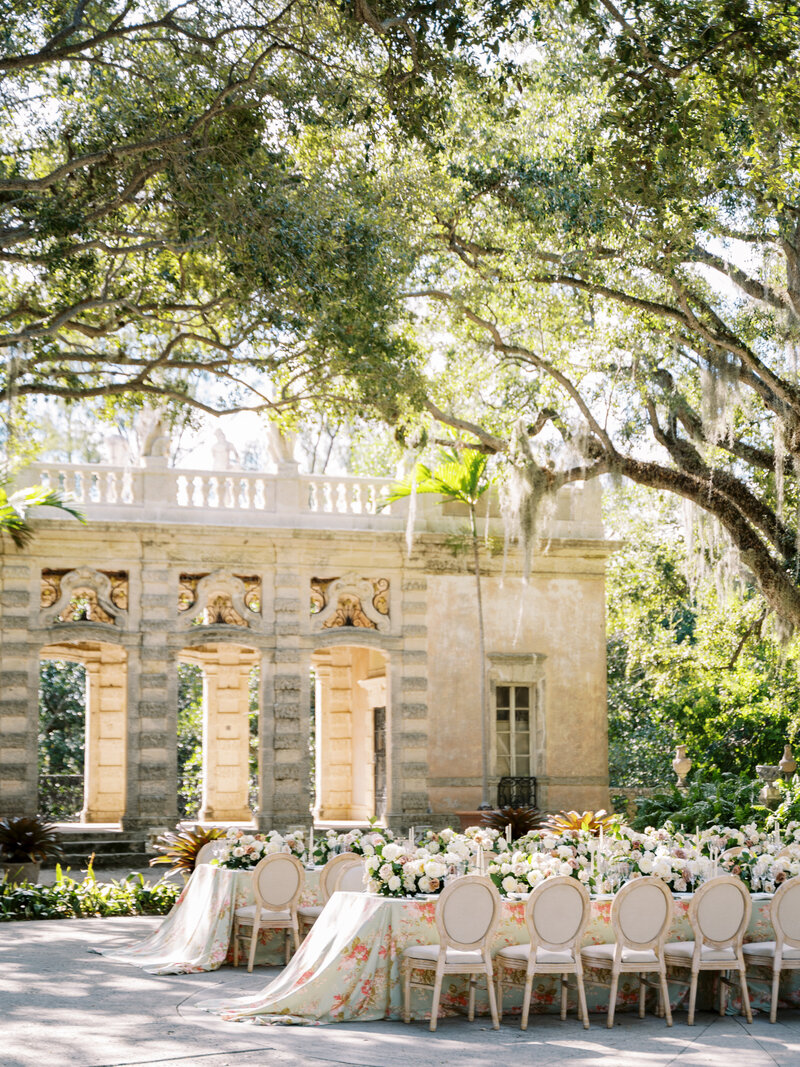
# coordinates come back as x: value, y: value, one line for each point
x: 69, y: 899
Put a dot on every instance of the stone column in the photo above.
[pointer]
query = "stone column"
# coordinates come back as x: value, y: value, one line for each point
x: 19, y: 690
x: 106, y: 730
x: 290, y: 704
x: 226, y: 735
x: 153, y: 722
x: 409, y: 800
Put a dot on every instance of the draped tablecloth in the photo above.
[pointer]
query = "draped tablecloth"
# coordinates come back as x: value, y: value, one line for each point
x: 196, y: 935
x: 348, y: 968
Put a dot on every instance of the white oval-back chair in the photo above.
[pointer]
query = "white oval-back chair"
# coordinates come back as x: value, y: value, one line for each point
x: 328, y: 876
x: 556, y: 914
x: 641, y: 914
x: 350, y: 877
x: 782, y: 954
x: 467, y: 914
x: 277, y: 883
x: 719, y: 913
x: 206, y: 852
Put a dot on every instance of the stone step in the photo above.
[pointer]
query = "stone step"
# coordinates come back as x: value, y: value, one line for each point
x: 79, y: 859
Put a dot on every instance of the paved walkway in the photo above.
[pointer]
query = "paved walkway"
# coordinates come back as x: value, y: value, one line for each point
x: 62, y: 1006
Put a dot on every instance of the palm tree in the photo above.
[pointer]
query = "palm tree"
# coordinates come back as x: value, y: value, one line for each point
x: 15, y: 508
x: 460, y: 477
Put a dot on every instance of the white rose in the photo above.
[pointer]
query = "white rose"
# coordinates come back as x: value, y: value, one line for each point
x: 425, y: 885
x: 549, y: 843
x: 391, y: 852
x: 386, y: 871
x: 435, y: 869
x: 509, y: 884
x: 394, y: 883
x: 238, y: 851
x: 368, y: 849
x: 646, y: 863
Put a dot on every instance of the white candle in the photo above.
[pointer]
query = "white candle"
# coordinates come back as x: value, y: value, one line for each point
x: 412, y: 836
x: 311, y: 845
x: 601, y: 838
x: 508, y: 832
x: 777, y: 833
x: 697, y: 837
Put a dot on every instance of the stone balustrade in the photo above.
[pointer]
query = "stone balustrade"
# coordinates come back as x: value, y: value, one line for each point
x: 156, y: 493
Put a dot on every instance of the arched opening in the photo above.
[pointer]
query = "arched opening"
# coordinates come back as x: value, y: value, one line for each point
x: 350, y: 701
x: 62, y: 739
x: 218, y: 709
x: 83, y: 705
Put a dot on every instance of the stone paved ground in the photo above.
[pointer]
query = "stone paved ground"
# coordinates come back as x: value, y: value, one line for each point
x: 62, y: 1005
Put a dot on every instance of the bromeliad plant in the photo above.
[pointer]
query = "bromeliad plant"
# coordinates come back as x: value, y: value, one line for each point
x: 28, y: 839
x: 590, y: 821
x: 180, y: 849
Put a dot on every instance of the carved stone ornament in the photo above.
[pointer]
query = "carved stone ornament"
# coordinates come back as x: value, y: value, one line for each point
x: 350, y: 601
x: 84, y: 595
x: 219, y: 598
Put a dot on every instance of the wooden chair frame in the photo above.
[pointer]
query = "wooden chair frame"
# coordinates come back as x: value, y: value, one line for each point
x: 770, y: 954
x: 327, y: 886
x: 702, y: 938
x: 624, y: 941
x: 258, y: 921
x: 446, y: 941
x: 512, y: 964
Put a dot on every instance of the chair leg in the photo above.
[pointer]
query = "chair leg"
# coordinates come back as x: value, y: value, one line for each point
x: 563, y: 996
x: 692, y: 997
x: 642, y: 995
x: 437, y: 992
x: 612, y: 998
x: 499, y: 989
x: 724, y: 978
x: 286, y: 948
x: 665, y: 996
x: 745, y: 995
x: 492, y: 1001
x: 473, y: 981
x: 235, y: 942
x: 296, y: 935
x: 406, y: 991
x: 773, y: 1004
x: 526, y: 1000
x: 583, y: 1011
x: 251, y: 959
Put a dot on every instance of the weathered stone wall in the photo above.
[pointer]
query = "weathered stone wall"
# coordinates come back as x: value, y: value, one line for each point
x: 547, y: 631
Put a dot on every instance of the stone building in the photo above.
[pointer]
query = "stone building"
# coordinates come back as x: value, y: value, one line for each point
x: 305, y: 578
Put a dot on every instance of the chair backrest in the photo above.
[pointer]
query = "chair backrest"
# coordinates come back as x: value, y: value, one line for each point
x: 557, y: 913
x: 350, y: 878
x: 329, y: 874
x: 785, y: 913
x: 720, y: 911
x: 278, y: 881
x: 737, y: 850
x: 205, y: 853
x: 467, y: 912
x: 641, y: 913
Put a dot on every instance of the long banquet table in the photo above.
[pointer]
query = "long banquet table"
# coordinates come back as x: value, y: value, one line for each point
x: 348, y: 968
x: 197, y: 933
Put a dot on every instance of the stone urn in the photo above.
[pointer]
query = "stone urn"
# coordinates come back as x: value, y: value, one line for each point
x: 770, y: 795
x: 15, y: 873
x: 681, y: 765
x: 788, y: 763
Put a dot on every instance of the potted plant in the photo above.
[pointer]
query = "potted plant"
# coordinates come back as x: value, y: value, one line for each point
x: 25, y: 842
x: 180, y: 849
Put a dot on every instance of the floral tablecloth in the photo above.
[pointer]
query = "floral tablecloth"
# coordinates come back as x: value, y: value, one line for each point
x: 348, y: 967
x: 196, y: 935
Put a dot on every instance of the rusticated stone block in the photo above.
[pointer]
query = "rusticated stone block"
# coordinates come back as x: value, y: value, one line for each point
x: 287, y: 655
x: 287, y: 741
x: 414, y: 711
x: 417, y: 682
x: 282, y: 682
x: 414, y: 770
x: 413, y: 584
x: 287, y: 604
x: 12, y: 678
x: 414, y: 607
x: 15, y: 772
x: 15, y: 598
x: 416, y: 802
x: 287, y: 711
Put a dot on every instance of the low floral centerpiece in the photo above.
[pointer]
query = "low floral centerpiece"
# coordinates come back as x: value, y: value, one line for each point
x: 241, y: 851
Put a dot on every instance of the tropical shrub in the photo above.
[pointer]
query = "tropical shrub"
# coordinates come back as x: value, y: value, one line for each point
x: 719, y: 799
x: 71, y: 899
x: 181, y: 847
x: 28, y: 839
